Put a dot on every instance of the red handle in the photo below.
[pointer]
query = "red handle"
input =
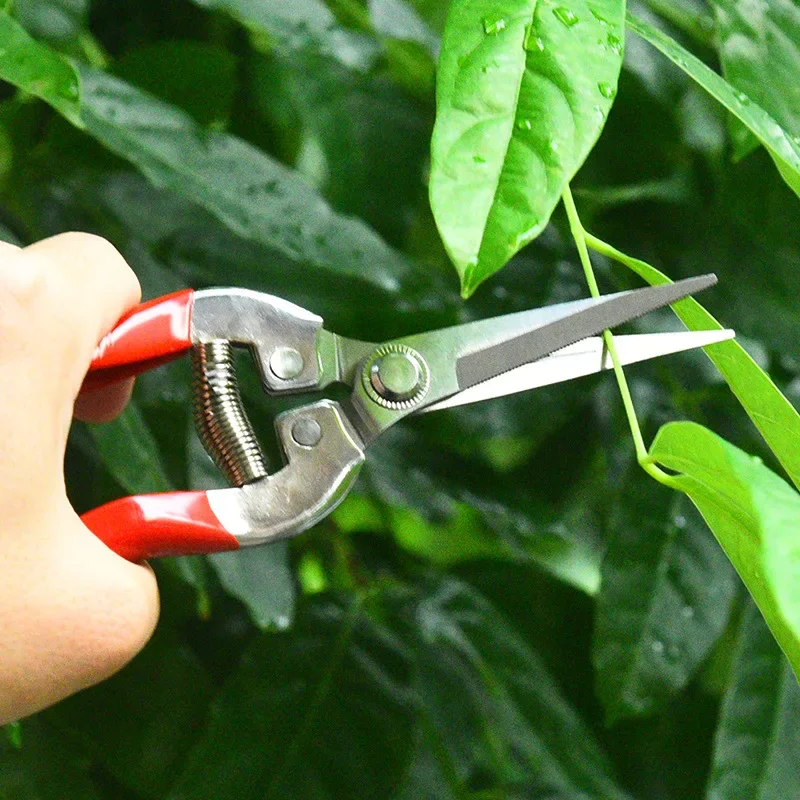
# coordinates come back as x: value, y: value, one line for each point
x: 147, y: 336
x: 150, y: 526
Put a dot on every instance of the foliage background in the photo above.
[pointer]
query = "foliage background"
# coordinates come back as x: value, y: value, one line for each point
x: 506, y: 607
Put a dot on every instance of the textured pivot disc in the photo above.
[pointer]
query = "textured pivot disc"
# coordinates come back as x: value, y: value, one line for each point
x: 396, y: 377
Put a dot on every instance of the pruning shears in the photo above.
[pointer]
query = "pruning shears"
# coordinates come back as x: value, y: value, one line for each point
x: 324, y: 442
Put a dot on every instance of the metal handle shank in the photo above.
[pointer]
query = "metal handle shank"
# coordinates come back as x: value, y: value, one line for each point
x: 324, y: 456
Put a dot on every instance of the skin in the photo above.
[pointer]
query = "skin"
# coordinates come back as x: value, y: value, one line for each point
x: 72, y: 612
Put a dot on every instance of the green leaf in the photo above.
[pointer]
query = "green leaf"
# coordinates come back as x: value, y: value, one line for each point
x: 397, y: 19
x: 758, y: 739
x: 53, y: 20
x: 773, y: 415
x: 142, y: 723
x: 253, y: 194
x: 320, y: 712
x: 306, y: 26
x: 45, y: 768
x: 759, y: 49
x: 489, y: 705
x: 665, y: 599
x: 260, y: 577
x: 129, y: 450
x: 523, y: 91
x: 782, y: 145
x: 37, y: 70
x: 754, y: 514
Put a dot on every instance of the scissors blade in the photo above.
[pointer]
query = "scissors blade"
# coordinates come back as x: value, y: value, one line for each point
x: 586, y: 357
x: 607, y: 312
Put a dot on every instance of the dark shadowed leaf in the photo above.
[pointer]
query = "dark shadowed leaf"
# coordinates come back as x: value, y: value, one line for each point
x: 782, y: 145
x: 756, y: 745
x: 759, y: 48
x: 253, y: 194
x: 56, y: 21
x: 142, y: 723
x: 301, y: 25
x: 130, y: 452
x: 320, y: 712
x: 44, y: 768
x: 488, y: 704
x: 665, y: 599
x: 523, y: 91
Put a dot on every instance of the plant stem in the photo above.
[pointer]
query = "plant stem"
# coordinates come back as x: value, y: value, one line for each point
x: 579, y: 235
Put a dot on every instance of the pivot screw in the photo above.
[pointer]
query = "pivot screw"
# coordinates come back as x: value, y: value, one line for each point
x: 306, y: 432
x: 286, y: 363
x: 396, y: 377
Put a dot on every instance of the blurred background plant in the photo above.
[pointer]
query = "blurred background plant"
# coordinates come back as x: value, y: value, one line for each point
x: 506, y: 606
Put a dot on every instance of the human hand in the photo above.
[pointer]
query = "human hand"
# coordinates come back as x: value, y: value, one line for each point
x: 72, y: 612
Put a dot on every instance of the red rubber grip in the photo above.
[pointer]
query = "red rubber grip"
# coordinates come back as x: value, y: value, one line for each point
x: 150, y: 526
x: 147, y: 336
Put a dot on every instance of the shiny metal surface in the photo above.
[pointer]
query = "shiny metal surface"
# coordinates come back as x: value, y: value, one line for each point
x: 219, y: 415
x: 463, y: 356
x: 270, y: 326
x: 313, y: 482
x: 607, y: 312
x: 582, y: 358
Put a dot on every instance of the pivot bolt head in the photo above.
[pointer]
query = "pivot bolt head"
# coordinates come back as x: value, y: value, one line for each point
x: 396, y: 377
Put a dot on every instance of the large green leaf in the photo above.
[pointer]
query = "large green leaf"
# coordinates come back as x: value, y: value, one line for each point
x: 131, y: 453
x: 758, y: 739
x: 56, y: 21
x: 256, y: 196
x: 301, y: 25
x: 759, y: 49
x: 489, y: 705
x: 142, y: 723
x: 321, y: 712
x: 754, y: 514
x: 45, y: 768
x: 37, y: 70
x: 773, y: 415
x: 523, y: 91
x: 783, y: 146
x: 665, y: 598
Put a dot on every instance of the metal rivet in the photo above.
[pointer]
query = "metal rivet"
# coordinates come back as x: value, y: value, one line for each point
x: 396, y: 376
x: 286, y: 363
x: 306, y: 432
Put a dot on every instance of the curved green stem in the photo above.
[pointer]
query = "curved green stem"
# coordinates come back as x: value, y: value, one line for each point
x: 580, y: 237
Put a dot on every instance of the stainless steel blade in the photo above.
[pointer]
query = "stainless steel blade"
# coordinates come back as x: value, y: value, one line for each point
x: 586, y: 357
x: 606, y: 312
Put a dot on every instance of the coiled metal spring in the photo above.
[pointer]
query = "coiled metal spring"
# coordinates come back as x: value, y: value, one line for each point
x: 220, y: 417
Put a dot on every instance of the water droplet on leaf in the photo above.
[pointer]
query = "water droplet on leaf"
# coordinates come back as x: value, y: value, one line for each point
x: 533, y: 43
x: 524, y: 124
x: 566, y: 16
x: 606, y: 89
x: 687, y: 612
x: 615, y: 43
x: 657, y: 647
x: 492, y: 25
x: 743, y: 98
